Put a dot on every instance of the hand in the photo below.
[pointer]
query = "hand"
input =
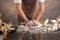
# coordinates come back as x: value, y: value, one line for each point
x: 33, y: 23
x: 36, y: 23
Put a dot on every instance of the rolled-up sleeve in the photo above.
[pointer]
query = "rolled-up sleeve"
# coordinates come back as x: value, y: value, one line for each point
x: 41, y: 0
x: 17, y: 1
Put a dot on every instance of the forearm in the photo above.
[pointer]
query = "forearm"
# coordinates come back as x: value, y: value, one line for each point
x: 41, y: 11
x: 35, y: 11
x: 21, y: 13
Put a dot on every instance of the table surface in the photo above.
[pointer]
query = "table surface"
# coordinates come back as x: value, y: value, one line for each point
x: 46, y: 36
x: 34, y: 35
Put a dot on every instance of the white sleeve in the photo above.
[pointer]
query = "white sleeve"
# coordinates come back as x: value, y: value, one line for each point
x: 41, y: 0
x: 17, y: 1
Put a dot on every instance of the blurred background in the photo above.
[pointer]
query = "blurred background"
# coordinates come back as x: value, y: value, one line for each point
x: 9, y: 13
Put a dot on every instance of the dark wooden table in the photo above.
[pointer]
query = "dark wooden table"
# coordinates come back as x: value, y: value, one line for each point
x: 33, y: 36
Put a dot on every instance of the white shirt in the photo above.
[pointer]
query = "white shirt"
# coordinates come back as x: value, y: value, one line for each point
x: 20, y: 1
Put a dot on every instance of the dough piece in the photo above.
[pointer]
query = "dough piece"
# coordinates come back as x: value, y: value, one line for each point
x: 30, y: 23
x: 46, y: 22
x: 0, y: 22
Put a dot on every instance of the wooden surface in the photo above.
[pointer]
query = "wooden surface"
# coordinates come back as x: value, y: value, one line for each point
x: 28, y: 36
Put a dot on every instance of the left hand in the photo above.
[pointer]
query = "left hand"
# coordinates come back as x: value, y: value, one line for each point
x: 36, y: 22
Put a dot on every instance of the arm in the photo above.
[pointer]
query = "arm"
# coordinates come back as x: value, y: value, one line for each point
x: 35, y: 11
x: 41, y: 11
x: 37, y: 16
x: 20, y: 11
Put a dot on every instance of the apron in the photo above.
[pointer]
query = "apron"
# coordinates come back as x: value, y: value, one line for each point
x: 28, y: 6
